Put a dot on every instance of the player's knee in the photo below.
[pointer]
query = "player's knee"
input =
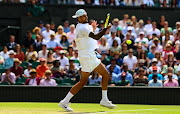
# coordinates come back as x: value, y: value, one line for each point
x: 84, y: 82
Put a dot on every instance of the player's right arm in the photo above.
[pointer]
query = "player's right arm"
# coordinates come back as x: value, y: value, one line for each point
x: 100, y: 34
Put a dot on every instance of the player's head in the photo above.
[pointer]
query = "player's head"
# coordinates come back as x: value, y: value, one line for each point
x: 81, y: 15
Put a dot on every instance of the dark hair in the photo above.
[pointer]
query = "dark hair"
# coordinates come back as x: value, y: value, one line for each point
x: 125, y: 66
x: 55, y: 61
x: 50, y: 51
x: 114, y: 42
x: 145, y: 55
x: 62, y: 39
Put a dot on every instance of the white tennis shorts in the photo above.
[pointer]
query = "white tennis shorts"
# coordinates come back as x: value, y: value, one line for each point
x: 88, y: 61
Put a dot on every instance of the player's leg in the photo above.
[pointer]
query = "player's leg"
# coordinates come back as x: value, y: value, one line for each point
x: 84, y: 79
x: 104, y: 83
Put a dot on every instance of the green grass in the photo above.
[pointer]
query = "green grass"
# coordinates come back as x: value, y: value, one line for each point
x: 84, y: 108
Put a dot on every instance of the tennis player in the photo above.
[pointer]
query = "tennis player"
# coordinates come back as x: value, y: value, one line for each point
x: 86, y: 42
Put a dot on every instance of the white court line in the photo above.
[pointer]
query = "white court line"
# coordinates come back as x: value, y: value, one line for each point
x: 123, y: 111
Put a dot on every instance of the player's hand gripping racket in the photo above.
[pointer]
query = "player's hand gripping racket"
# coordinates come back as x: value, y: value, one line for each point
x: 107, y: 20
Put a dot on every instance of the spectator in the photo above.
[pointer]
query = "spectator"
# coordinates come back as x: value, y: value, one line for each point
x: 5, y: 53
x: 57, y: 50
x: 66, y: 26
x: 119, y: 33
x: 71, y: 34
x: 41, y: 26
x: 116, y: 68
x: 158, y: 46
x: 28, y: 70
x: 115, y: 25
x: 128, y: 75
x: 155, y: 68
x: 155, y: 82
x: 11, y: 44
x: 35, y: 10
x: 119, y: 60
x: 1, y: 62
x: 59, y: 33
x: 166, y: 52
x: 50, y: 58
x: 160, y: 25
x: 166, y: 38
x: 101, y: 25
x: 123, y: 81
x: 70, y: 52
x: 171, y: 82
x: 57, y: 70
x: 140, y: 65
x: 148, y: 26
x: 33, y: 80
x: 16, y: 69
x: 36, y: 31
x: 115, y: 48
x: 142, y: 40
x: 19, y: 53
x: 175, y: 31
x: 63, y: 60
x: 170, y: 70
x: 112, y: 76
x: 38, y: 43
x: 130, y: 60
x: 122, y: 22
x: 139, y: 49
x: 104, y: 59
x: 135, y: 24
x: 124, y: 51
x: 166, y: 28
x: 94, y: 78
x: 28, y: 41
x: 143, y: 56
x: 46, y: 33
x: 8, y: 77
x: 154, y: 35
x: 48, y: 81
x: 64, y: 41
x: 52, y: 43
x: 141, y: 28
x: 107, y: 35
x: 52, y: 26
x: 128, y: 37
x: 30, y: 53
x: 154, y: 63
x: 141, y: 79
x: 177, y: 36
x: 41, y: 68
x: 113, y: 37
x: 154, y: 30
x: 149, y: 3
x: 151, y: 54
x: 43, y: 53
x: 76, y: 59
x: 103, y: 45
x: 159, y: 58
x: 131, y: 30
x: 9, y: 61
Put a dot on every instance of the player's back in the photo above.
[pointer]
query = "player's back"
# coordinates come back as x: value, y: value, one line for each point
x: 83, y: 41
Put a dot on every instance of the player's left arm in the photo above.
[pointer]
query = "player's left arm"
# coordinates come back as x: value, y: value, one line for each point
x: 100, y: 34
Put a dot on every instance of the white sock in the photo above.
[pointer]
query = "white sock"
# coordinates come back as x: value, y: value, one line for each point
x: 68, y: 97
x: 104, y: 95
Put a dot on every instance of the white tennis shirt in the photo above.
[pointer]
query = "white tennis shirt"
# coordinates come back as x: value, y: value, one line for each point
x: 84, y: 43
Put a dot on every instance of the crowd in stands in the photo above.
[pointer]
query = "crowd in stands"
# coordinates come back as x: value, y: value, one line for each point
x: 142, y: 3
x: 135, y: 53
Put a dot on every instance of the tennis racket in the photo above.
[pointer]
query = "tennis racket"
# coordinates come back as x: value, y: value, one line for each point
x: 107, y: 20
